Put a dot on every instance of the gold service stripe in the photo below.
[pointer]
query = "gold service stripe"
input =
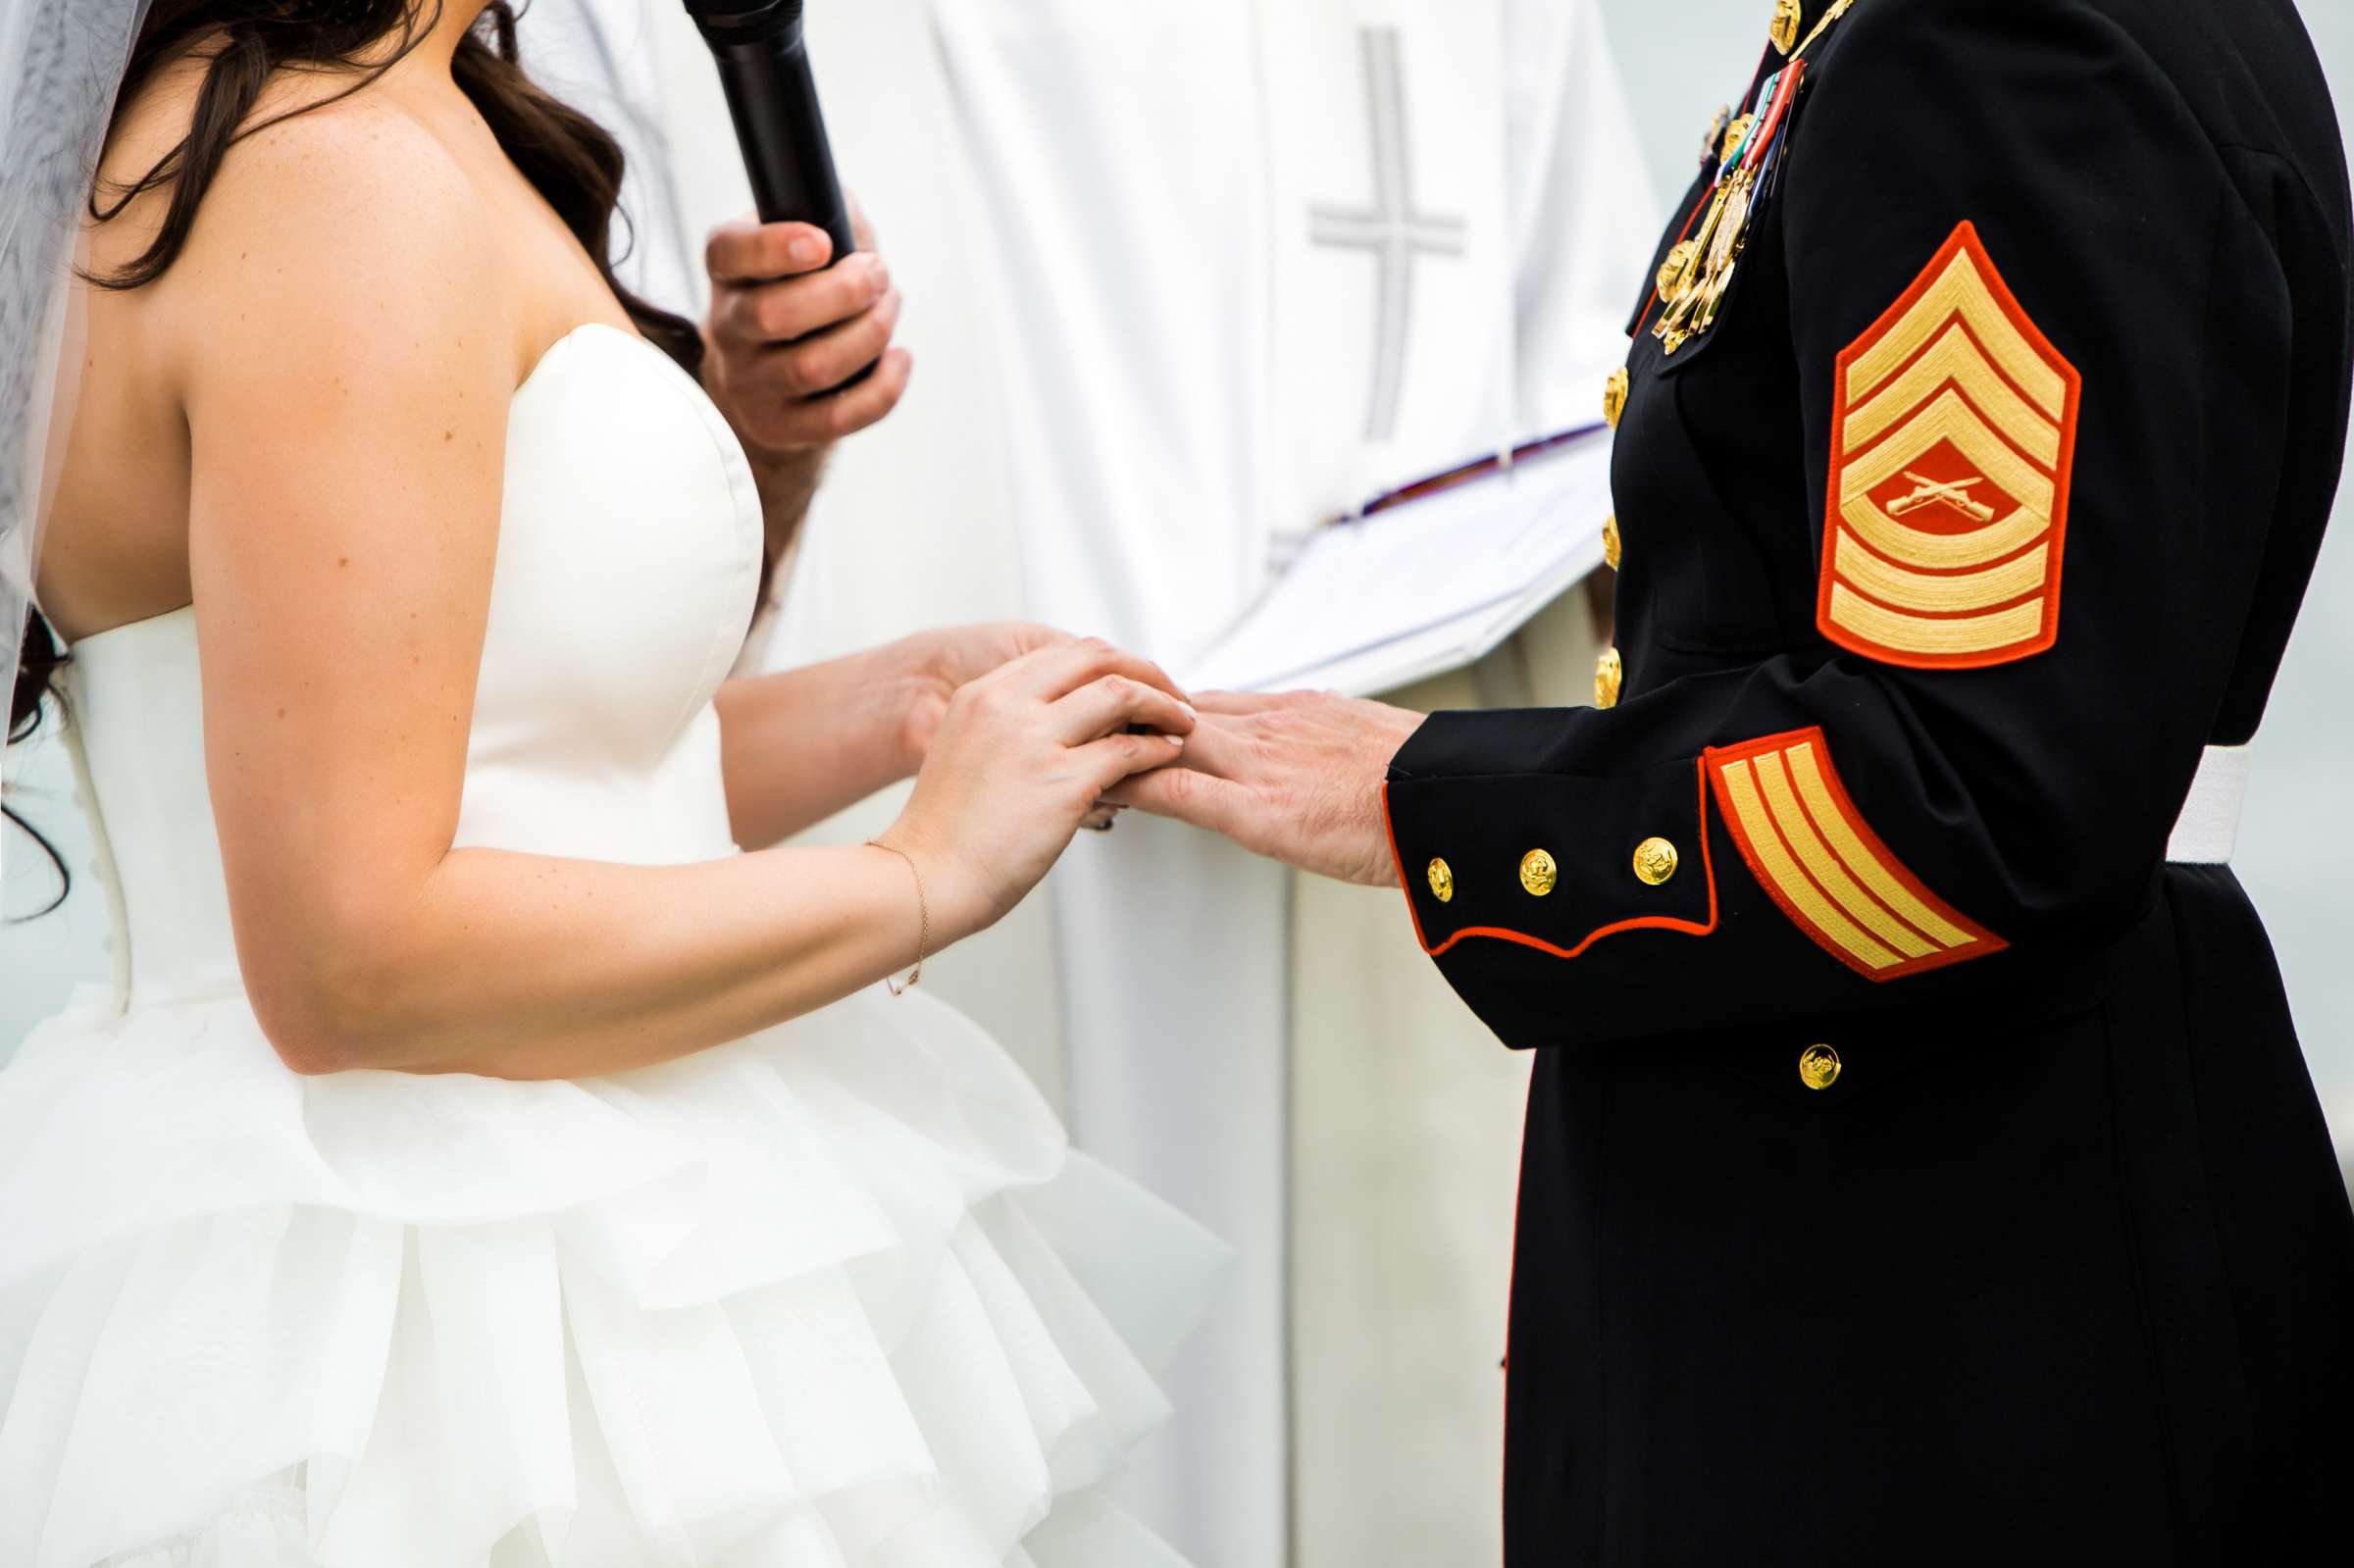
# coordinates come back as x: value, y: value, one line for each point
x: 1766, y: 846
x: 1863, y: 862
x: 1799, y: 835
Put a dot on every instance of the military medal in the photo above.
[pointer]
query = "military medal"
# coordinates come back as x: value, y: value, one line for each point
x: 1703, y: 264
x: 1710, y: 155
x: 1698, y: 271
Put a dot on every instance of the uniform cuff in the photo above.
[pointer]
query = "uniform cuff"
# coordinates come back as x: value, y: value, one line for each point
x: 1548, y: 861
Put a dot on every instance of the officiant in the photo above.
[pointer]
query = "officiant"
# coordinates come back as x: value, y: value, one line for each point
x: 1182, y: 284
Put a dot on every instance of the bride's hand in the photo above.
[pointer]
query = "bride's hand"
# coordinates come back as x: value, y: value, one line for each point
x: 943, y: 663
x: 1021, y: 757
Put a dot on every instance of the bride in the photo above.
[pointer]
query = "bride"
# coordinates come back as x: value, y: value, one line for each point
x: 481, y: 1160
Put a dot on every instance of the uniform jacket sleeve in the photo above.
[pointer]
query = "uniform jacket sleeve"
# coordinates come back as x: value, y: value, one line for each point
x: 1895, y: 809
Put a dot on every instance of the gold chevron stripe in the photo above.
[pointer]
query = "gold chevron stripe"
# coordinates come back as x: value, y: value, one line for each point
x: 1862, y: 861
x: 1949, y: 419
x: 1766, y: 846
x: 1947, y: 552
x: 1961, y: 291
x: 1800, y: 837
x: 1945, y: 595
x: 1908, y: 634
x: 1956, y: 359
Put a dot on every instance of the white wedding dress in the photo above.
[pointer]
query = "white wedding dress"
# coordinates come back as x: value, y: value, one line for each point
x: 832, y: 1297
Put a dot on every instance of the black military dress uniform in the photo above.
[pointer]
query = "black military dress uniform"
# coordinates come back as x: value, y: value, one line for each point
x: 1921, y: 1165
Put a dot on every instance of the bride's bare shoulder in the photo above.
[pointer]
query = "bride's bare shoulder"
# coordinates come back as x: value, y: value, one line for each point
x: 332, y: 203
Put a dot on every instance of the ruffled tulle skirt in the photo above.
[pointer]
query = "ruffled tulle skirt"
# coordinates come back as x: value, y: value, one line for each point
x: 833, y: 1296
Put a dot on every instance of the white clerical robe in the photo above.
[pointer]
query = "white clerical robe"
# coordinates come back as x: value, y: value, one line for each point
x: 1182, y: 282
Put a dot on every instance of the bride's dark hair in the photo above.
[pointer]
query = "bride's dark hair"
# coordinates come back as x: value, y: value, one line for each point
x: 568, y: 157
x: 41, y: 661
x: 573, y: 161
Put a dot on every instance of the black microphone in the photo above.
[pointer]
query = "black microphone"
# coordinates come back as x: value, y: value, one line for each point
x: 764, y: 70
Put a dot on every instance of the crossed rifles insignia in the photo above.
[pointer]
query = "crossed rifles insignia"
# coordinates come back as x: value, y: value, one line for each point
x: 1955, y: 494
x: 1954, y: 447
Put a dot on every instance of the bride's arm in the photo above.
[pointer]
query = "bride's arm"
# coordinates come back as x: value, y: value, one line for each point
x: 346, y: 346
x: 801, y: 744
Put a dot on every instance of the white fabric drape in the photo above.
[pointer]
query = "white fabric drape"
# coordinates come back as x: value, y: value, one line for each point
x: 1188, y: 209
x: 1143, y: 251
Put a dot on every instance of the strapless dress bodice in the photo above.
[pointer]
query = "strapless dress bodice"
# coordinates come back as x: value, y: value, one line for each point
x: 834, y: 1293
x: 629, y: 561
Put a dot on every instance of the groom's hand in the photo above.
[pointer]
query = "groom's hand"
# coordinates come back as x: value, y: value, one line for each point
x: 1297, y: 778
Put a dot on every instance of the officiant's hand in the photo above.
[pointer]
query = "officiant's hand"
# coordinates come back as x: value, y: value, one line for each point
x: 1297, y: 778
x: 786, y: 329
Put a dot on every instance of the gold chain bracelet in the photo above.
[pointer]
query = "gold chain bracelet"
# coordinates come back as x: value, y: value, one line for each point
x: 922, y: 915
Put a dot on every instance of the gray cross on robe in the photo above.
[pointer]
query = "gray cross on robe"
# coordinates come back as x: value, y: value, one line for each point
x: 1393, y: 228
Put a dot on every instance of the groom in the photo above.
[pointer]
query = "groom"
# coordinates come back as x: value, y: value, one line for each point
x: 1920, y: 1166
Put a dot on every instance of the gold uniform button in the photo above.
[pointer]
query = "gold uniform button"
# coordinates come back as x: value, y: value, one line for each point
x: 1442, y: 881
x: 1610, y: 673
x: 1613, y: 545
x: 1819, y: 1067
x: 1672, y: 270
x: 1787, y: 16
x: 1613, y: 396
x: 1656, y: 861
x: 1538, y: 874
